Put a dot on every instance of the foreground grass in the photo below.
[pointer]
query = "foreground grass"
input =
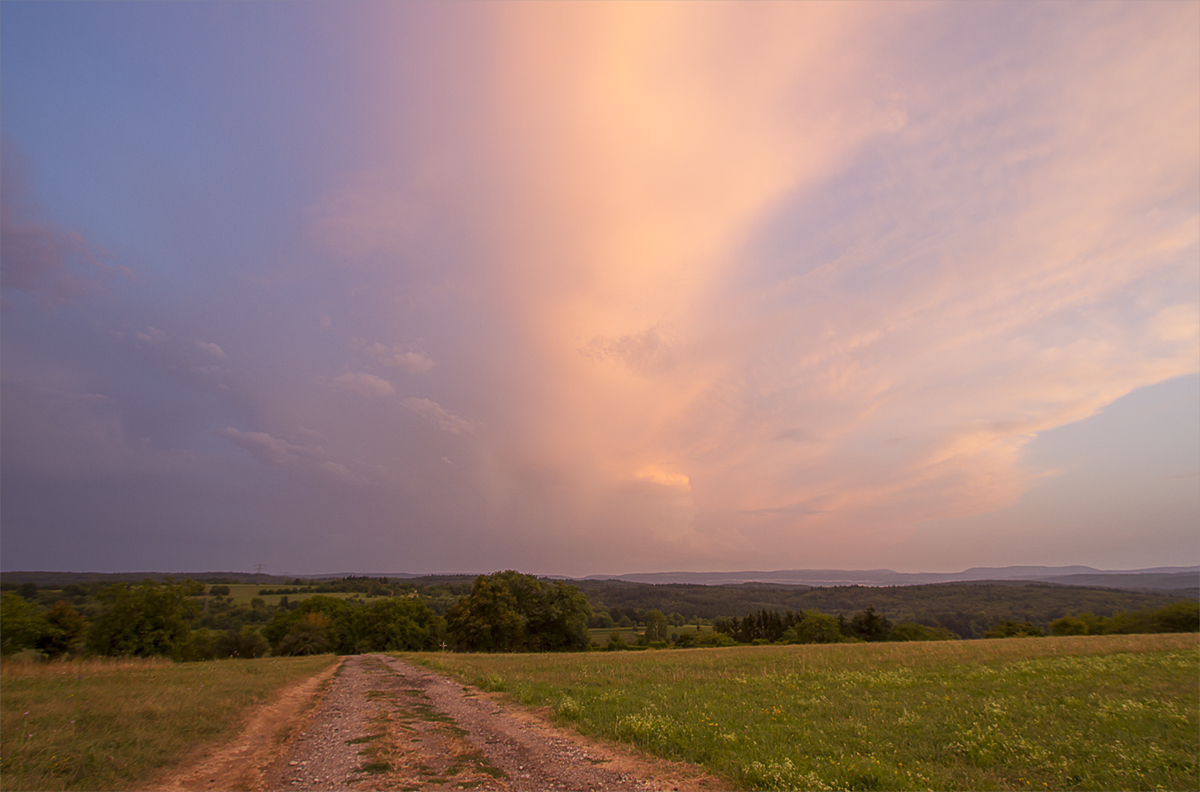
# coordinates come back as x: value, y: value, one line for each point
x: 1103, y: 712
x: 112, y: 724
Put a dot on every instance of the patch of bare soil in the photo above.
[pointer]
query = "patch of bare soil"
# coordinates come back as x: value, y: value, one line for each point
x: 385, y: 724
x: 240, y: 764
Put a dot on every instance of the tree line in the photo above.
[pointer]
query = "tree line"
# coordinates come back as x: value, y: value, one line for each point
x: 966, y: 609
x: 813, y: 626
x: 503, y: 612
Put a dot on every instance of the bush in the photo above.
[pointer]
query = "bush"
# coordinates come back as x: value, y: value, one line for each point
x: 715, y: 639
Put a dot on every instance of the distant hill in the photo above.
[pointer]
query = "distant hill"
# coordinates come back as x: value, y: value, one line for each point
x: 965, y: 608
x: 1134, y: 581
x: 1157, y: 578
x: 59, y: 579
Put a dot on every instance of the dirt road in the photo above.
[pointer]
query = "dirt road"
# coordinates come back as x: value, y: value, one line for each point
x: 384, y: 724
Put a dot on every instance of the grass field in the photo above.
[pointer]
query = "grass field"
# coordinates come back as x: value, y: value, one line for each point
x: 242, y: 593
x: 629, y: 635
x: 112, y: 724
x: 1104, y: 712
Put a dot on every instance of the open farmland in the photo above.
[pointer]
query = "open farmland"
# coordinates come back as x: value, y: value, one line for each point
x: 112, y: 724
x: 1098, y: 712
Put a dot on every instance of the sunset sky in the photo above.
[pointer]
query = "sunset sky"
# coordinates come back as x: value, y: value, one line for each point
x: 585, y: 288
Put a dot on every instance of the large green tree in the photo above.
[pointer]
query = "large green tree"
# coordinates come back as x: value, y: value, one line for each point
x: 511, y: 612
x: 331, y: 633
x: 394, y: 625
x: 144, y: 620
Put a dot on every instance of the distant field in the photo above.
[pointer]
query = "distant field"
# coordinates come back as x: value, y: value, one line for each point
x: 111, y: 724
x: 600, y: 635
x: 242, y: 593
x: 1097, y: 712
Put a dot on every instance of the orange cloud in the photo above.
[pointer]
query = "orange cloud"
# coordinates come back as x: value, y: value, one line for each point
x: 792, y: 261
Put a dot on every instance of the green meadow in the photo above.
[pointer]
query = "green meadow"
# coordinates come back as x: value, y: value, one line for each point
x: 112, y: 724
x: 1093, y: 712
x: 243, y: 593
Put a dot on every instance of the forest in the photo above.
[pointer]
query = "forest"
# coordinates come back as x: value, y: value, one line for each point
x: 514, y: 612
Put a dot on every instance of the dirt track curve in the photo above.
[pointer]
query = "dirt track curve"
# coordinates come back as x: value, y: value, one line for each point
x: 380, y: 723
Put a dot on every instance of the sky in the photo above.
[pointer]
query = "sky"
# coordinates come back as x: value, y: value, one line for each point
x: 599, y: 288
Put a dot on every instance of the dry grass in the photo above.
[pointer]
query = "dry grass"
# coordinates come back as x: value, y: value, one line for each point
x: 113, y: 724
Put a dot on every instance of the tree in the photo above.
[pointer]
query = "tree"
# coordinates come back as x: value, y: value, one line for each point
x: 394, y: 625
x: 338, y: 630
x: 20, y: 623
x: 64, y: 631
x: 144, y: 620
x: 509, y: 612
x: 488, y: 620
x: 310, y: 634
x: 656, y: 626
x: 1180, y: 617
x: 870, y: 626
x: 817, y: 627
x: 1069, y: 625
x: 556, y: 621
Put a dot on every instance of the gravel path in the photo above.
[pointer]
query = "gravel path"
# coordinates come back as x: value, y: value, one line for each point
x: 384, y: 724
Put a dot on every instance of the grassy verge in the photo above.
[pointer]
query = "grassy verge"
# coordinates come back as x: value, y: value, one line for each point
x: 1103, y: 712
x: 112, y: 724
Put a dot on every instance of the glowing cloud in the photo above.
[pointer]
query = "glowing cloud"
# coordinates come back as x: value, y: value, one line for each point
x: 364, y: 384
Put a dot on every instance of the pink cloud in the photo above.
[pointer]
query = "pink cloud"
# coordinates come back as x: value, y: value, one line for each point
x: 439, y: 416
x: 364, y: 384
